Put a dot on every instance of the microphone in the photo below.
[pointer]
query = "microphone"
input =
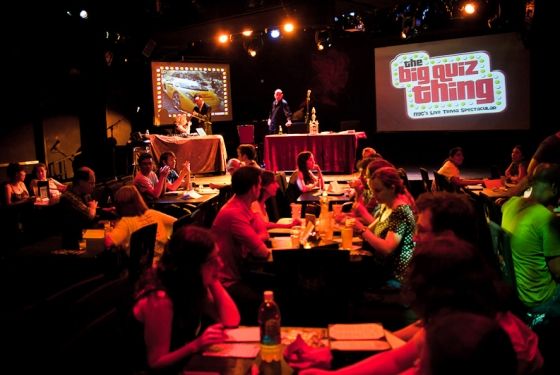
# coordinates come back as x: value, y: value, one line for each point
x: 55, y: 145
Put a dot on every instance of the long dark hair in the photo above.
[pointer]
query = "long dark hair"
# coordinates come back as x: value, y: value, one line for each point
x: 179, y: 271
x: 302, y: 159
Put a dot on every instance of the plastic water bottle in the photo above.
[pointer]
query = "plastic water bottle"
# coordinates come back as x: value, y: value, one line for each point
x: 269, y: 322
x: 147, y: 132
x: 280, y: 129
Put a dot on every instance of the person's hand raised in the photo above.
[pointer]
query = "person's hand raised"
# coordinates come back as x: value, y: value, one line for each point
x: 213, y: 335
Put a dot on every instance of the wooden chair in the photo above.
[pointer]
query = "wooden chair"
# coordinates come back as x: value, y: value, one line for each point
x: 142, y: 244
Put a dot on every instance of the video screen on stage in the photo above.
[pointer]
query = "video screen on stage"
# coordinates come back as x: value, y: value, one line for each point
x: 175, y: 84
x: 477, y: 83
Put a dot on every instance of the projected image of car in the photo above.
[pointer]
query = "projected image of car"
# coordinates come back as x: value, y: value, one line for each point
x: 182, y: 91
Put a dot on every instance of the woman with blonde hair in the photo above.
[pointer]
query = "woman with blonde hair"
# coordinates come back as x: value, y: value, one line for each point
x: 135, y: 215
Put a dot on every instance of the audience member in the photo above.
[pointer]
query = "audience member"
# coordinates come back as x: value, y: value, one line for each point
x: 40, y: 174
x: 518, y: 167
x: 462, y: 343
x: 303, y: 180
x: 448, y: 275
x: 269, y: 187
x: 77, y: 207
x: 174, y: 179
x: 136, y: 215
x: 535, y: 244
x: 450, y: 168
x: 172, y: 299
x: 247, y: 154
x: 389, y: 233
x: 232, y: 165
x: 237, y: 239
x: 150, y: 185
x: 15, y: 191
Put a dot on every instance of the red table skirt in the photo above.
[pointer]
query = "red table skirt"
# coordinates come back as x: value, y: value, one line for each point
x: 333, y: 152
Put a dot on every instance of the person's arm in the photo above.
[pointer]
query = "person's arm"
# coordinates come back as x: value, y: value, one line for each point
x: 59, y: 185
x: 507, y: 173
x: 208, y: 112
x: 390, y: 362
x: 464, y: 182
x: 384, y: 245
x: 228, y: 313
x: 287, y: 113
x: 185, y: 172
x: 245, y: 234
x: 157, y: 318
x: 521, y: 173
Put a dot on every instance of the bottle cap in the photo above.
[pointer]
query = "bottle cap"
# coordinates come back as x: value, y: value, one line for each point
x: 268, y: 295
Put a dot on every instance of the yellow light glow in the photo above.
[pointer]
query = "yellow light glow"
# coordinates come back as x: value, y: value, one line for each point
x: 470, y: 8
x: 223, y: 38
x: 289, y: 27
x: 247, y: 32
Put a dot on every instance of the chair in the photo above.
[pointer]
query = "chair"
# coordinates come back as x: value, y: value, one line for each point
x: 426, y: 179
x: 443, y: 184
x: 404, y: 177
x: 246, y: 134
x: 142, y: 244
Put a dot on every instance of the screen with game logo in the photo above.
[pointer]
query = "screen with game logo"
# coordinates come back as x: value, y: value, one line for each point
x: 175, y: 84
x: 477, y: 83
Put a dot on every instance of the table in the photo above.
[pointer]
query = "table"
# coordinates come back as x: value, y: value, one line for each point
x: 206, y: 154
x: 334, y: 152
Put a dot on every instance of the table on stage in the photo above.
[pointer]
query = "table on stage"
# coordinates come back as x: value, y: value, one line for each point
x: 334, y: 152
x: 206, y: 154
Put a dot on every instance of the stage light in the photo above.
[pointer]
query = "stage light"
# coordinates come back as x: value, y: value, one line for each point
x: 84, y: 14
x: 289, y: 27
x: 253, y: 45
x: 274, y: 33
x: 247, y: 32
x: 323, y: 39
x: 351, y: 22
x: 469, y: 8
x: 223, y: 38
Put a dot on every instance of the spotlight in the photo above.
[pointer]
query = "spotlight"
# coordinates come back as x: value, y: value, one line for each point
x: 223, y: 38
x: 84, y: 14
x: 247, y: 32
x: 323, y: 39
x: 289, y: 27
x: 253, y: 45
x: 351, y: 22
x: 274, y: 33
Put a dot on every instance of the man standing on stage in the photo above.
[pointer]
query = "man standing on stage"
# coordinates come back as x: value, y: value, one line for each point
x: 280, y: 115
x: 205, y: 110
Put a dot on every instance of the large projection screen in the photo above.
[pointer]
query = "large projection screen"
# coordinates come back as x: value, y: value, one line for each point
x: 478, y: 83
x: 174, y: 85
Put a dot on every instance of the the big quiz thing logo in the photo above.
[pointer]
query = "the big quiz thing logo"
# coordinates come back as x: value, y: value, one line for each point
x: 451, y: 85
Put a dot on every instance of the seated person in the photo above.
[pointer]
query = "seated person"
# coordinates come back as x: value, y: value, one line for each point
x: 40, y: 174
x: 269, y: 187
x: 182, y: 125
x: 248, y: 155
x: 15, y: 191
x: 303, y: 180
x: 78, y: 208
x: 136, y: 215
x: 518, y: 167
x: 232, y: 165
x: 238, y: 240
x: 173, y: 298
x: 535, y: 243
x: 390, y: 232
x: 150, y: 185
x: 450, y: 168
x: 448, y: 276
x: 174, y: 179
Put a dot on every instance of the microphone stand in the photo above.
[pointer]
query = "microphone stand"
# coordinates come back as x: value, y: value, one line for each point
x: 112, y: 142
x: 307, y: 108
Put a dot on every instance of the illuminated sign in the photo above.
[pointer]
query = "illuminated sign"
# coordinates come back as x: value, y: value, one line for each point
x: 450, y: 85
